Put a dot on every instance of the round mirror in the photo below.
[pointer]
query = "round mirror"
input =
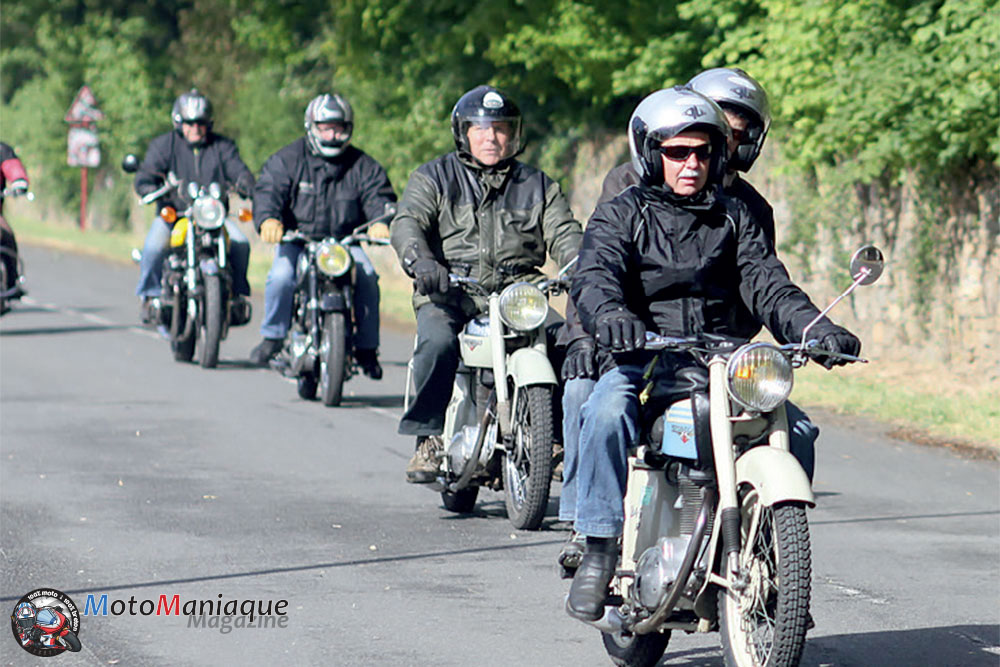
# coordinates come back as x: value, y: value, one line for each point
x: 867, y: 262
x: 192, y: 190
x: 130, y: 163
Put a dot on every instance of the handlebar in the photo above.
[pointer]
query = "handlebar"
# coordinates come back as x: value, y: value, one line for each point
x: 11, y: 192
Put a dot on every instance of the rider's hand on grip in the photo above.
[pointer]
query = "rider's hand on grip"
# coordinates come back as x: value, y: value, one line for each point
x: 579, y: 361
x: 430, y: 276
x: 621, y: 331
x: 379, y: 230
x: 838, y: 340
x: 271, y: 230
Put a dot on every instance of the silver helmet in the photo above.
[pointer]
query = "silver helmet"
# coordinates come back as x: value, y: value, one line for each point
x: 328, y: 108
x: 665, y: 114
x: 732, y: 88
x: 191, y: 107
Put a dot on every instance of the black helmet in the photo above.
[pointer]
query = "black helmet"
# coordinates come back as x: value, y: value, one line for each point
x: 734, y: 89
x: 485, y: 103
x: 665, y: 114
x: 327, y: 108
x: 191, y: 107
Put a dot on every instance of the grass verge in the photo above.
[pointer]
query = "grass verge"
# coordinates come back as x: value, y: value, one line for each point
x: 923, y: 403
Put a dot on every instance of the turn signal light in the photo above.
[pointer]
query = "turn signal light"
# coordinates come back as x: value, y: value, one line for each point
x: 245, y: 215
x: 168, y: 214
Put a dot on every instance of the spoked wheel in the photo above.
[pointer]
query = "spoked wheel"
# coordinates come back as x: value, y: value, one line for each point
x: 527, y: 470
x: 210, y: 324
x: 764, y: 624
x: 635, y: 650
x: 332, y: 358
x: 183, y: 348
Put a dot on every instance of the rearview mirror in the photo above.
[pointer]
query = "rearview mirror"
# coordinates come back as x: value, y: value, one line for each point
x: 867, y: 264
x: 130, y: 164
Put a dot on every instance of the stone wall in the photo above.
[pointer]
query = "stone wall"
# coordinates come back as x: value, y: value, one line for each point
x: 938, y: 302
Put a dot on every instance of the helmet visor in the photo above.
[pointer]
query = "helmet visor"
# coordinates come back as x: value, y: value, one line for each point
x: 491, y: 139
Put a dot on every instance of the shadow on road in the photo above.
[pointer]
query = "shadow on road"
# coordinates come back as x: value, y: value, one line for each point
x: 307, y: 568
x: 45, y: 331
x: 377, y: 401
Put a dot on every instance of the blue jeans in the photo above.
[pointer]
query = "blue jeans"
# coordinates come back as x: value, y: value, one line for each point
x: 157, y: 244
x: 280, y: 288
x: 600, y: 423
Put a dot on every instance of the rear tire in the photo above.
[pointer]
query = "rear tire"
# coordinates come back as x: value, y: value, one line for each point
x: 765, y: 625
x: 636, y: 650
x: 210, y: 327
x: 460, y: 502
x: 332, y: 358
x: 527, y: 470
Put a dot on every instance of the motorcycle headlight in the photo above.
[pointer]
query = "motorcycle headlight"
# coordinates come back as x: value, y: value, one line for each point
x: 523, y: 306
x: 208, y: 213
x: 759, y: 377
x: 333, y: 259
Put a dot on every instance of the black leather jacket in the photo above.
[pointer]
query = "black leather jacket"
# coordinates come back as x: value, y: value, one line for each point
x: 683, y: 265
x: 494, y: 225
x: 321, y: 196
x: 218, y: 161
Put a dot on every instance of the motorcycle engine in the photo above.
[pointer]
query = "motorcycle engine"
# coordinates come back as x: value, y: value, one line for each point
x: 657, y: 568
x: 464, y: 442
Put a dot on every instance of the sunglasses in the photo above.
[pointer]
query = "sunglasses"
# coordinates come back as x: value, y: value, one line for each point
x: 681, y: 153
x: 193, y: 123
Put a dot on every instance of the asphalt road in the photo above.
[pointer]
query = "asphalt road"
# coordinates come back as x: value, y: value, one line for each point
x: 127, y: 474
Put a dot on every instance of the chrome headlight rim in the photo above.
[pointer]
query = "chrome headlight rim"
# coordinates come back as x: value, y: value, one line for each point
x: 523, y: 306
x: 208, y: 213
x: 759, y: 377
x: 333, y: 259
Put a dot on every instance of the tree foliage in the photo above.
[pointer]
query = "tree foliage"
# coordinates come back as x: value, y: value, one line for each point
x: 870, y: 87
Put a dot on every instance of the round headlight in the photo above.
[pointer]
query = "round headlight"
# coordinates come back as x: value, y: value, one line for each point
x: 523, y: 306
x: 759, y: 377
x: 333, y: 259
x: 208, y: 213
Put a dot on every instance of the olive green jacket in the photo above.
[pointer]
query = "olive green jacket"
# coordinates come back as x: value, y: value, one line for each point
x: 491, y: 225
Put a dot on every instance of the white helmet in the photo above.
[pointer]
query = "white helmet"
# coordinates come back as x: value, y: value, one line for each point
x: 665, y: 114
x: 327, y: 108
x: 191, y: 107
x: 732, y: 88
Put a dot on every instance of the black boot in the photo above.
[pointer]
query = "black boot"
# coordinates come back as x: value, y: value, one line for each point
x: 265, y: 351
x: 368, y: 361
x: 590, y: 584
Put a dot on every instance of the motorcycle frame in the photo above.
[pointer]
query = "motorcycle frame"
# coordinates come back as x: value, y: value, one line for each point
x: 315, y: 292
x: 195, y: 266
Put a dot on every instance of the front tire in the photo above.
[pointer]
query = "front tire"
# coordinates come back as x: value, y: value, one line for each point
x: 210, y: 327
x: 72, y: 641
x: 527, y: 470
x: 332, y: 358
x: 765, y: 624
x: 636, y: 650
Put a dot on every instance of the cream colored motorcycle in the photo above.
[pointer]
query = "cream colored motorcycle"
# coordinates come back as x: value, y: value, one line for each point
x: 715, y: 534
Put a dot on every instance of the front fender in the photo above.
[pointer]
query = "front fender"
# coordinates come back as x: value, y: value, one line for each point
x: 530, y: 366
x: 776, y: 474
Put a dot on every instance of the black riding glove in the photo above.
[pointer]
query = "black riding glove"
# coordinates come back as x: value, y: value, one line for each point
x: 579, y: 361
x: 430, y: 276
x: 838, y: 339
x: 620, y: 331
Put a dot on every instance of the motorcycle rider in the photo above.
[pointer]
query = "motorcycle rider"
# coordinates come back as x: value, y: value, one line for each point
x: 322, y: 186
x: 192, y: 151
x: 478, y: 212
x: 15, y: 178
x: 702, y: 253
x: 745, y: 104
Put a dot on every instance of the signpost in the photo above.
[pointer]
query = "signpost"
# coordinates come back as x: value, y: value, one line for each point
x: 83, y: 147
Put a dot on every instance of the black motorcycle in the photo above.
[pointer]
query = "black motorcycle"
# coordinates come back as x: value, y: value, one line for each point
x: 11, y: 265
x: 197, y: 303
x: 319, y: 348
